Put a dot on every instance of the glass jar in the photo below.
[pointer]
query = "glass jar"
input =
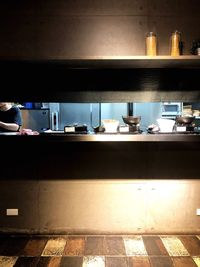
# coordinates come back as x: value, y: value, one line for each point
x: 175, y: 44
x: 151, y: 44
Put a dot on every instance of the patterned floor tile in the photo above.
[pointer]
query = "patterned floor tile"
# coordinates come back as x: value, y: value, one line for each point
x: 54, y: 262
x: 71, y: 262
x: 94, y: 245
x: 27, y: 262
x: 34, y: 246
x: 161, y: 261
x: 7, y: 261
x: 192, y: 244
x: 174, y: 246
x: 139, y: 261
x: 54, y: 246
x: 197, y: 260
x: 44, y: 261
x: 114, y: 246
x: 134, y: 246
x: 154, y: 246
x: 75, y: 246
x: 183, y: 262
x: 116, y: 262
x: 14, y: 246
x: 92, y: 261
x: 3, y: 243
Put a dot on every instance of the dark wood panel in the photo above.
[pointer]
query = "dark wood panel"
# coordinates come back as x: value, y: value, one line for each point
x: 192, y: 244
x: 96, y: 85
x: 114, y: 246
x: 35, y: 246
x: 75, y: 246
x: 27, y: 262
x: 139, y: 262
x: 3, y: 243
x: 95, y: 246
x: 14, y: 246
x: 116, y: 262
x: 121, y: 160
x: 71, y: 261
x: 161, y: 262
x: 183, y: 262
x: 44, y: 261
x: 154, y: 246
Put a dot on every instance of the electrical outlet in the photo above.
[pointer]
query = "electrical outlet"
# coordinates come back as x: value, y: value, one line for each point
x: 12, y: 212
x: 198, y: 212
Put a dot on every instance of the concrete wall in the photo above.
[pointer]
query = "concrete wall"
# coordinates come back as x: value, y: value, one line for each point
x: 101, y: 206
x: 66, y: 28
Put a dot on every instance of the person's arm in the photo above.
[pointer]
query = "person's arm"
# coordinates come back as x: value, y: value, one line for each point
x: 9, y: 126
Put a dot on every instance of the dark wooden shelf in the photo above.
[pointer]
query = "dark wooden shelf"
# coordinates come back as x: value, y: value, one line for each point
x: 114, y: 62
x: 101, y: 79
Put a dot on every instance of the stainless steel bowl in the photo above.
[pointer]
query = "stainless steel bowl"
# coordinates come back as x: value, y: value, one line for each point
x: 184, y: 119
x: 131, y: 120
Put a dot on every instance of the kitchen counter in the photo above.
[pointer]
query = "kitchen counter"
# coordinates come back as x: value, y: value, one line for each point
x: 103, y: 137
x: 100, y: 156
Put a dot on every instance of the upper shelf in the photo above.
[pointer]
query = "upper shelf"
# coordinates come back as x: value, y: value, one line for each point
x: 119, y: 62
x: 135, y: 62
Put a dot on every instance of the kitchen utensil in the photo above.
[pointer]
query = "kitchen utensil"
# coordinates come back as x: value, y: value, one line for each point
x: 110, y: 125
x: 184, y: 119
x: 131, y: 120
x: 165, y: 125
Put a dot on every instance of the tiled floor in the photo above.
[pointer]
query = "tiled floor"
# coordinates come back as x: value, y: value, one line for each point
x: 100, y: 251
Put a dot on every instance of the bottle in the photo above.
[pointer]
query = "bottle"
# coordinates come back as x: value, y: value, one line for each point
x: 151, y: 44
x: 175, y: 44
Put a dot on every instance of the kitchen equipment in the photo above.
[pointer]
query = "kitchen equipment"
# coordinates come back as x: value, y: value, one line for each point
x: 165, y: 125
x: 35, y: 119
x: 111, y: 126
x: 171, y: 109
x: 133, y: 122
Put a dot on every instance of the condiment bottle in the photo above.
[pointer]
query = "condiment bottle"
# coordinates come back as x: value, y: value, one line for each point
x: 175, y: 44
x: 151, y: 44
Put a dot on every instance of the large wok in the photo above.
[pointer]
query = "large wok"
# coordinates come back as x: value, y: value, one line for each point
x: 184, y: 119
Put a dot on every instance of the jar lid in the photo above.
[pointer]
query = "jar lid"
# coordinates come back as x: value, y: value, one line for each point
x: 177, y: 32
x: 149, y: 34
